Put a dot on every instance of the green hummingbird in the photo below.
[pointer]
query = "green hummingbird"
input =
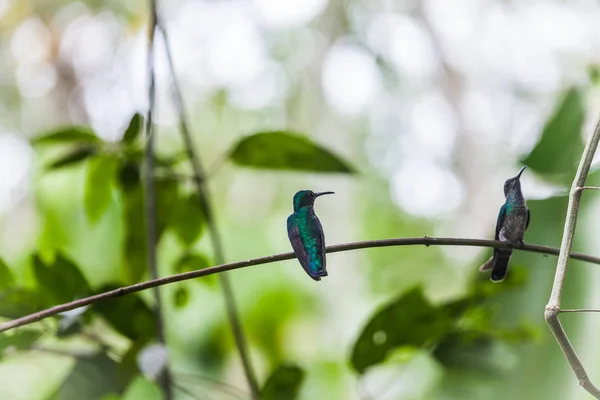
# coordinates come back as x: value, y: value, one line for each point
x: 306, y: 234
x: 513, y: 220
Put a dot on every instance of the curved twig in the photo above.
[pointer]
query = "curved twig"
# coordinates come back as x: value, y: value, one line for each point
x: 425, y: 241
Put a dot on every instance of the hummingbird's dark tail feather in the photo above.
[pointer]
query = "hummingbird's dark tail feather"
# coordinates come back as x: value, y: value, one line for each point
x: 488, y: 265
x: 500, y: 268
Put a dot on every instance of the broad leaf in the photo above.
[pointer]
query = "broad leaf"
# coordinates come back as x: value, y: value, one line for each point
x: 556, y: 154
x: 133, y: 130
x: 99, y: 187
x: 286, y: 151
x: 128, y: 315
x: 188, y: 219
x: 181, y: 297
x: 93, y: 378
x: 6, y: 277
x: 68, y: 134
x: 73, y: 157
x: 60, y: 282
x: 193, y: 262
x: 20, y: 339
x: 408, y: 321
x: 17, y: 302
x: 283, y: 384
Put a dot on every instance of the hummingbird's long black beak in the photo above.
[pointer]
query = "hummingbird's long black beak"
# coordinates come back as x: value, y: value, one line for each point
x: 521, y: 171
x: 323, y: 193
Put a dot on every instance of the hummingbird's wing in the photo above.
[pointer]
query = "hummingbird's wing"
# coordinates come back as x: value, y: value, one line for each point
x: 300, y: 248
x: 489, y: 264
x: 500, y: 221
x: 528, y: 218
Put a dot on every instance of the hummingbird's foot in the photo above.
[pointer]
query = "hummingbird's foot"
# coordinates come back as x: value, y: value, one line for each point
x: 522, y: 244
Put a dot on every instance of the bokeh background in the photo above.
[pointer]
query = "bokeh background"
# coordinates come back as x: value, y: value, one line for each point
x: 432, y: 103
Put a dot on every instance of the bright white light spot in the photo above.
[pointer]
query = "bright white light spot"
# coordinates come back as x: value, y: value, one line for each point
x: 4, y: 5
x: 30, y: 42
x: 425, y: 189
x: 350, y: 78
x: 35, y: 80
x: 236, y: 54
x: 152, y: 361
x: 15, y: 165
x: 268, y: 89
x: 285, y: 13
x: 433, y: 123
x: 405, y: 43
x: 87, y: 42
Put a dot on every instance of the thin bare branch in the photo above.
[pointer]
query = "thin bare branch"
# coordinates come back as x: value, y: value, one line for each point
x: 150, y: 199
x: 588, y: 188
x: 553, y: 307
x: 204, y: 196
x: 580, y: 310
x: 426, y: 241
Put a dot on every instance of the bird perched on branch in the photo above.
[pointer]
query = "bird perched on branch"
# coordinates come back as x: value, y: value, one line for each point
x: 513, y: 220
x: 306, y: 234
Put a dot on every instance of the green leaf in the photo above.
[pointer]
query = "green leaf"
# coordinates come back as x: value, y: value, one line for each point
x: 134, y: 216
x: 60, y: 282
x: 192, y: 262
x: 6, y: 277
x: 68, y: 134
x: 283, y: 384
x: 93, y: 378
x: 99, y: 187
x: 72, y: 157
x: 408, y: 321
x: 21, y: 339
x: 472, y: 352
x: 133, y: 130
x: 286, y: 151
x: 181, y: 297
x: 556, y: 154
x: 128, y: 315
x: 188, y: 219
x: 141, y: 388
x: 129, y: 175
x: 17, y: 302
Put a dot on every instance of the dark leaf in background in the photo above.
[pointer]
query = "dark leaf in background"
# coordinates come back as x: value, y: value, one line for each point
x: 193, y: 262
x: 286, y: 151
x: 181, y: 297
x: 133, y: 130
x: 188, y: 219
x: 73, y: 156
x: 93, y: 378
x: 408, y: 321
x: 99, y: 187
x: 6, y: 277
x: 21, y: 339
x: 60, y: 282
x: 167, y: 196
x: 129, y: 175
x: 68, y: 134
x: 283, y: 384
x: 135, y: 234
x: 472, y: 352
x: 17, y: 302
x: 128, y: 315
x: 557, y: 153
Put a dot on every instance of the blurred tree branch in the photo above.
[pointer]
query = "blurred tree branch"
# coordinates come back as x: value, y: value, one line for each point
x: 205, y: 200
x: 150, y: 199
x: 553, y: 306
x: 424, y: 241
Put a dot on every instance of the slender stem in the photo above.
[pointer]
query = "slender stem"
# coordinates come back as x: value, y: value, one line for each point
x: 553, y: 306
x: 589, y: 188
x: 581, y: 310
x: 426, y: 241
x: 150, y: 197
x: 204, y: 196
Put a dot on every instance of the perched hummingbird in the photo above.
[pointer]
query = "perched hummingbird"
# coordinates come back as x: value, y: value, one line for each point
x: 306, y: 234
x: 513, y: 220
